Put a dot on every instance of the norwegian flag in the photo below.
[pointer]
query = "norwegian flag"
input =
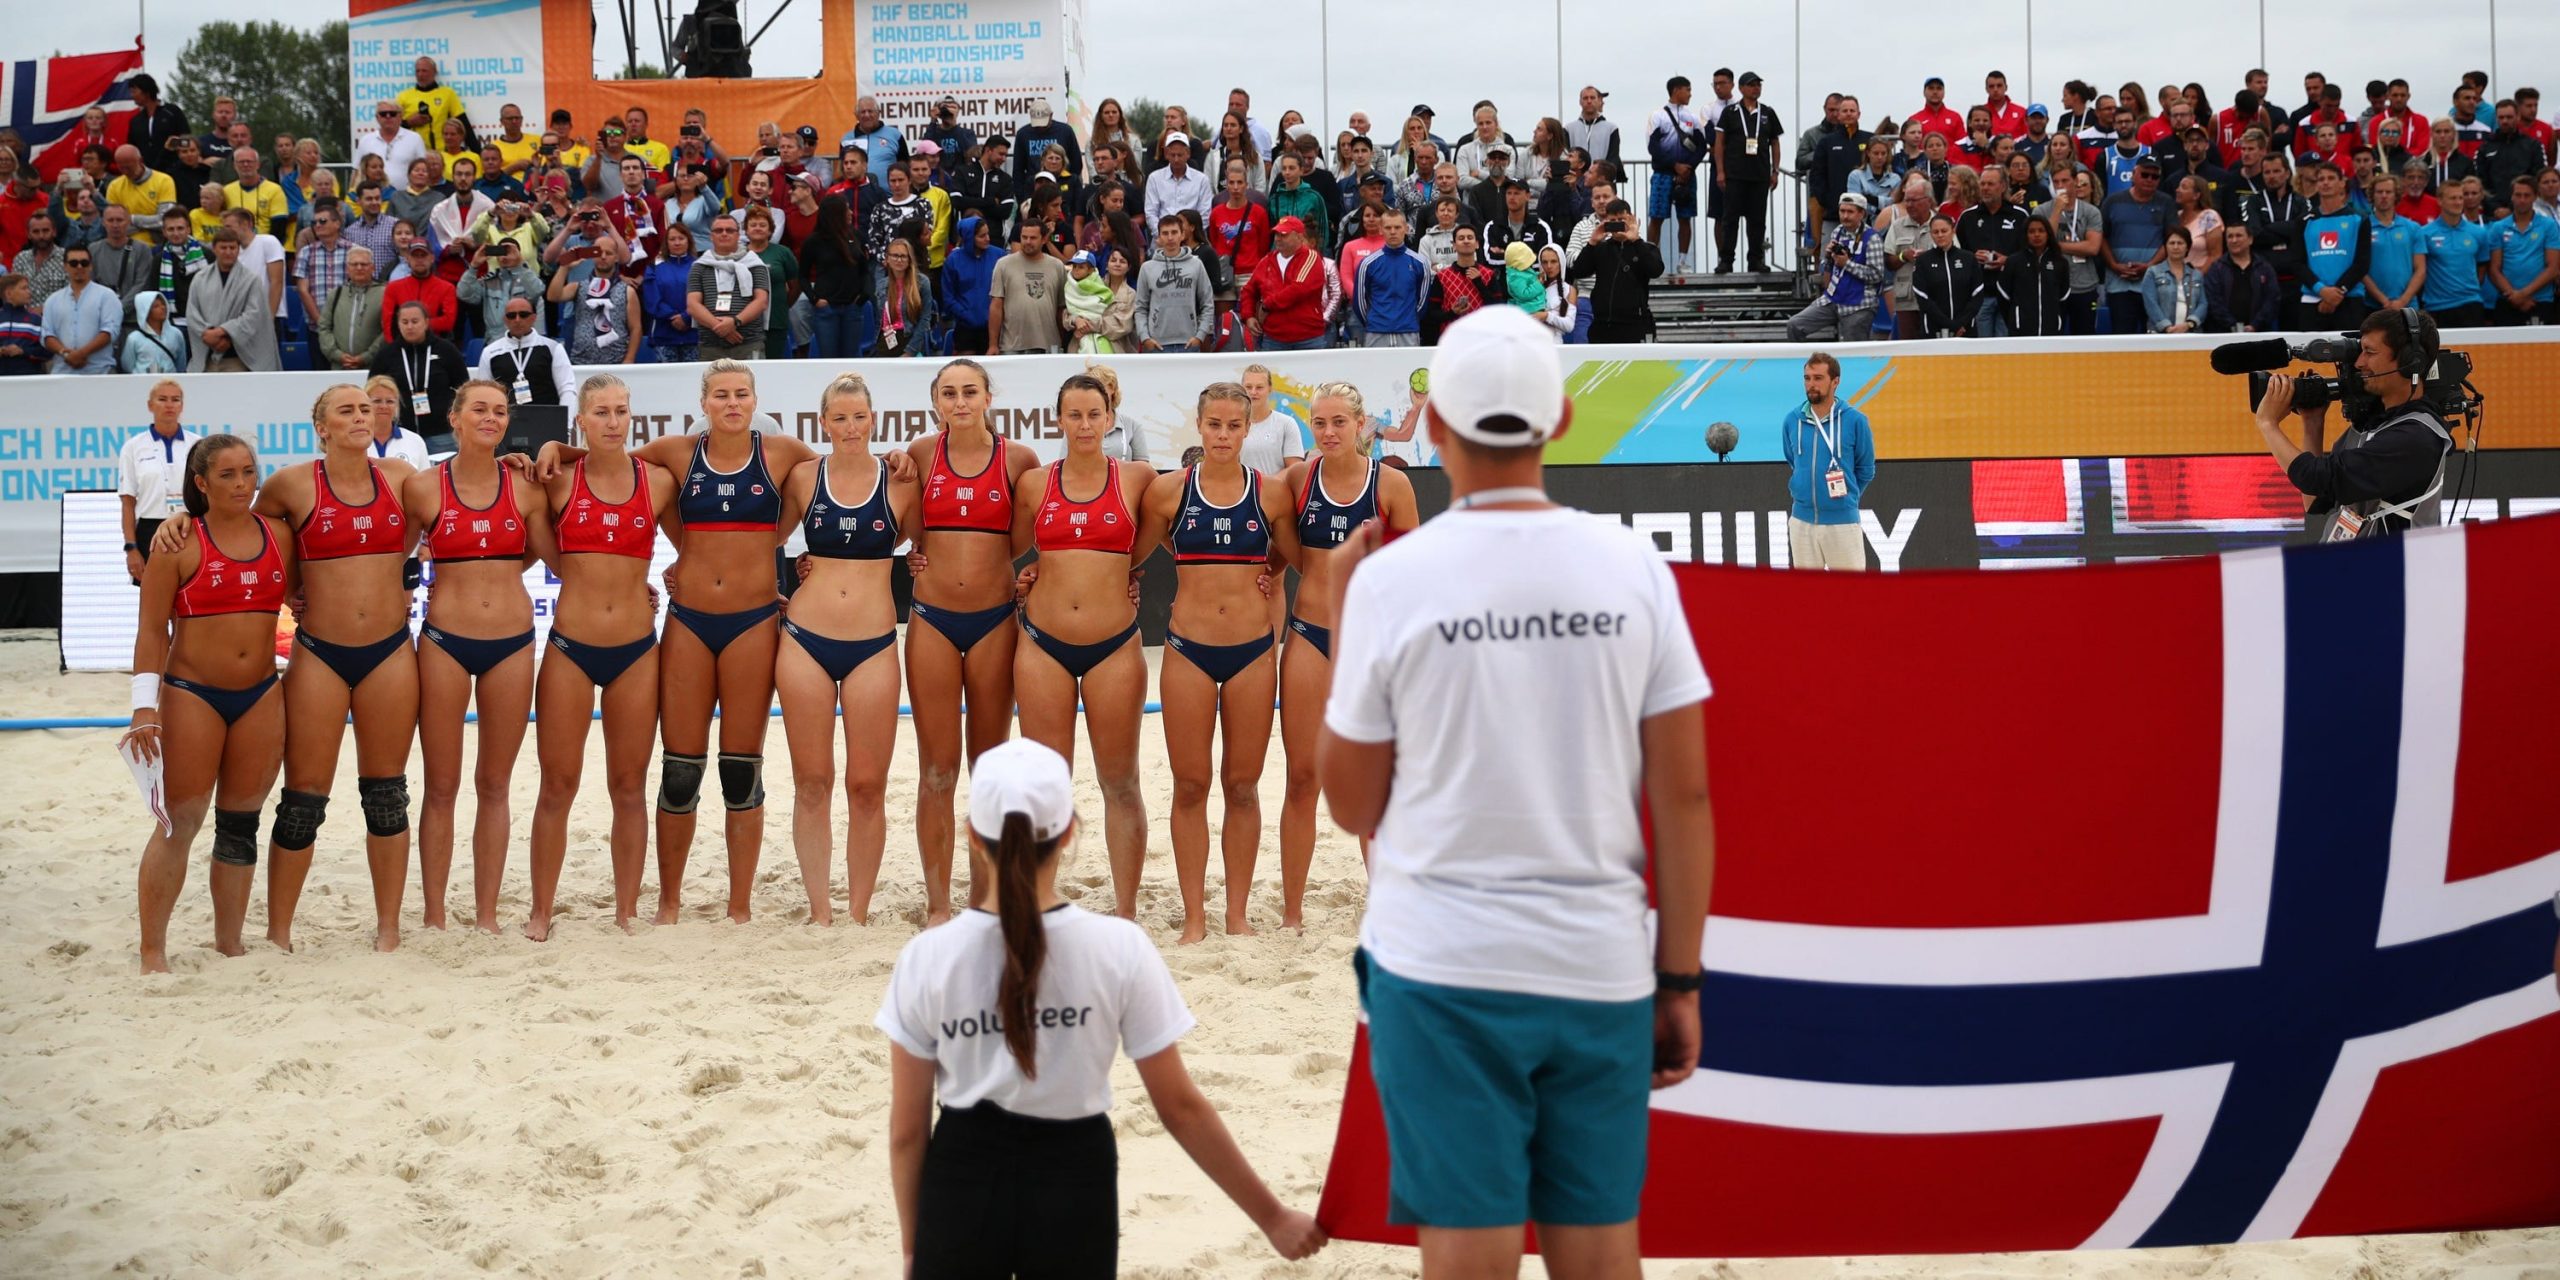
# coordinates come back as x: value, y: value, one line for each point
x: 45, y: 98
x: 2159, y: 904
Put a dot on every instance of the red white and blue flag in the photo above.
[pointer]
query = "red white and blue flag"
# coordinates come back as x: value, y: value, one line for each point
x: 2157, y: 904
x: 44, y: 99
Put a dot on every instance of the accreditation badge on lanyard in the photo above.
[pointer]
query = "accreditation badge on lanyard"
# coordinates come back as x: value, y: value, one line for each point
x: 1751, y: 134
x: 1835, y: 481
x: 418, y: 381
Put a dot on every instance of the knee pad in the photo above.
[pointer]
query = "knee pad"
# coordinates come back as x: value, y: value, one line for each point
x: 298, y: 818
x: 741, y: 780
x: 679, y: 783
x: 386, y: 804
x: 235, y: 837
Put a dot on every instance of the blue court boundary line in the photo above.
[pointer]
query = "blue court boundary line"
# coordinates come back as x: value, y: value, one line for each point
x: 31, y: 723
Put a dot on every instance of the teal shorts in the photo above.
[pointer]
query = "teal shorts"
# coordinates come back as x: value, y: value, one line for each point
x: 1504, y: 1108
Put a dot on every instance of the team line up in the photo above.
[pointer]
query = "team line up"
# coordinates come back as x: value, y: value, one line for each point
x: 334, y: 537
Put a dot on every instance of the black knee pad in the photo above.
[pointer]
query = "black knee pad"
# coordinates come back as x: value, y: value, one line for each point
x: 235, y: 837
x: 386, y: 804
x: 741, y: 780
x: 679, y: 783
x: 298, y: 818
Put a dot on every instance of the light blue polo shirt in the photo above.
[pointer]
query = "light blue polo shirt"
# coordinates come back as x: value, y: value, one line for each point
x: 2453, y: 266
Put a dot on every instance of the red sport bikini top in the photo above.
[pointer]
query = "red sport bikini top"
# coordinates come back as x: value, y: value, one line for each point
x: 1099, y: 523
x: 336, y: 529
x: 464, y: 532
x: 592, y: 525
x: 981, y: 503
x: 222, y: 585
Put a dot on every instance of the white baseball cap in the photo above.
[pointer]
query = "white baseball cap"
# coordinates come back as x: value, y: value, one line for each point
x: 1021, y: 776
x: 1498, y: 380
x: 1172, y: 138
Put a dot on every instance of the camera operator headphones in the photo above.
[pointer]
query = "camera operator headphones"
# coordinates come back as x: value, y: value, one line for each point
x: 2419, y: 342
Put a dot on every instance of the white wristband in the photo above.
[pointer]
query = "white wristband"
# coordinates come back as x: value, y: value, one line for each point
x: 146, y: 691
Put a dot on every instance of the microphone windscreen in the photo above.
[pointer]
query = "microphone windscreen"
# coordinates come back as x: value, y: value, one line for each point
x: 2261, y: 356
x: 1722, y: 437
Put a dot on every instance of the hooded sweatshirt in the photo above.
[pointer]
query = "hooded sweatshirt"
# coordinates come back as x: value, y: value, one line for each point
x: 150, y: 350
x: 966, y: 275
x: 1175, y: 299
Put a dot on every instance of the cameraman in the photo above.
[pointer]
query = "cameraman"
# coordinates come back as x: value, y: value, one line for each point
x: 2387, y: 468
x: 1853, y: 275
x: 1622, y: 267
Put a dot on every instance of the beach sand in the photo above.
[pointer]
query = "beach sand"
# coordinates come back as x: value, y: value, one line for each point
x: 705, y: 1099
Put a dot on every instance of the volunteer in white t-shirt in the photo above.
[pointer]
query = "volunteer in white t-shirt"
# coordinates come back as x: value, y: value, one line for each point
x: 1274, y: 437
x: 1013, y: 1018
x: 1508, y: 681
x: 151, y: 474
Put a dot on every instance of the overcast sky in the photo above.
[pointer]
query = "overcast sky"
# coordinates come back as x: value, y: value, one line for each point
x: 1385, y: 57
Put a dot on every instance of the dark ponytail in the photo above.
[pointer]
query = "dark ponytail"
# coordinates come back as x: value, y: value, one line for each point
x: 200, y: 464
x: 1017, y: 858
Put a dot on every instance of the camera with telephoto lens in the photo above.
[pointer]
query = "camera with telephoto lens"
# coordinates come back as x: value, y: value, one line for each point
x: 2311, y: 391
x: 2445, y: 379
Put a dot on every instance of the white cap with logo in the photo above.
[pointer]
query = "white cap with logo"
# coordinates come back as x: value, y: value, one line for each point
x: 1021, y: 776
x: 1498, y: 380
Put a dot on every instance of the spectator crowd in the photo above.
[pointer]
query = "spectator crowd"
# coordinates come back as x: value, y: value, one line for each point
x: 508, y: 250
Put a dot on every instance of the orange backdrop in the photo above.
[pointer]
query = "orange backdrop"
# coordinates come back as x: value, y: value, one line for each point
x: 735, y: 107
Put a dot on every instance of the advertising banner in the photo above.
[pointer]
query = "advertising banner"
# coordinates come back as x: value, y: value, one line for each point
x: 995, y: 56
x: 488, y: 51
x: 2011, y: 399
x: 1919, y: 514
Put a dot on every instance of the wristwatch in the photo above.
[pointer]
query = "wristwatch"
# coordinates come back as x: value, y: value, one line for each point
x: 1686, y: 984
x: 131, y: 547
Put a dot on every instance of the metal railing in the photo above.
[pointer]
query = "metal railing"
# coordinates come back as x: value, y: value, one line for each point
x: 1786, y: 222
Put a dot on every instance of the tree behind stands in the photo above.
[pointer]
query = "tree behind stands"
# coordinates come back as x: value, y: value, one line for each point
x: 285, y: 79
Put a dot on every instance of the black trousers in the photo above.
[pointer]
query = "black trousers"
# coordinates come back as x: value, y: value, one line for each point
x: 1622, y: 331
x: 2470, y: 315
x: 2307, y: 317
x: 1006, y: 1195
x: 1745, y: 200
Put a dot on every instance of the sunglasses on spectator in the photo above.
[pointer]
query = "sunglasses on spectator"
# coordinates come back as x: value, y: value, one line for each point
x: 75, y: 262
x: 519, y: 315
x: 380, y: 114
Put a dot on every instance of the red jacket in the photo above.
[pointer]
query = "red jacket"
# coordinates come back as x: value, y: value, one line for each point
x: 1290, y: 303
x: 1942, y: 121
x: 2007, y: 118
x: 443, y: 307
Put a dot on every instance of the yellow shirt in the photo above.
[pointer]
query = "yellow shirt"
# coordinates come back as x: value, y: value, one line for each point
x: 264, y: 205
x: 440, y: 104
x: 655, y: 152
x: 446, y: 158
x: 511, y: 152
x: 202, y: 225
x: 157, y: 191
x: 574, y: 157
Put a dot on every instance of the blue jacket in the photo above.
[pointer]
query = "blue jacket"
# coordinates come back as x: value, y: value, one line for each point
x: 967, y: 274
x: 1388, y: 290
x: 2161, y: 290
x: 1800, y: 442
